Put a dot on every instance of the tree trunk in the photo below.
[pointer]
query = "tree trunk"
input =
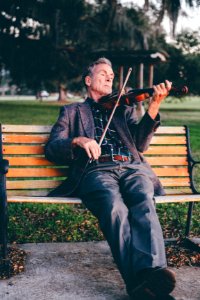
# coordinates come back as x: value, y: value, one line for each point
x: 62, y: 93
x: 146, y: 5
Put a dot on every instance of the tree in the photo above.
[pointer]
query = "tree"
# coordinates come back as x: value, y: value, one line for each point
x: 170, y: 7
x: 38, y: 40
x: 189, y: 42
x: 113, y: 26
x: 45, y: 43
x: 183, y: 67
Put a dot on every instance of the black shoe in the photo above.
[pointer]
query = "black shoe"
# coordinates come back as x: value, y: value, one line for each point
x: 155, y: 283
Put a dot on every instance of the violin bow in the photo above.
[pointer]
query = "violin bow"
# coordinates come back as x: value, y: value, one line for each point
x: 114, y: 108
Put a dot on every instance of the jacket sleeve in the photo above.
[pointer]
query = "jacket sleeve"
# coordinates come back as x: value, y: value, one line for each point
x: 142, y: 131
x: 59, y: 146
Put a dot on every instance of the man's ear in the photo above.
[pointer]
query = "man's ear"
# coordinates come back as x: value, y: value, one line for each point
x: 88, y: 80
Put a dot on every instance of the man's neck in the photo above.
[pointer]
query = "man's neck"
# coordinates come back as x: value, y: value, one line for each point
x: 95, y: 95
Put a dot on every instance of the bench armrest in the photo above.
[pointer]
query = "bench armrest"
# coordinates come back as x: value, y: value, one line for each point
x: 4, y: 165
x: 192, y: 167
x: 191, y: 162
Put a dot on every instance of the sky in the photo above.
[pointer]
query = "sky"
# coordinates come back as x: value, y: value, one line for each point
x: 191, y: 22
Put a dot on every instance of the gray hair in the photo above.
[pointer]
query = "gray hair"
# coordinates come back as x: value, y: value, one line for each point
x: 89, y: 69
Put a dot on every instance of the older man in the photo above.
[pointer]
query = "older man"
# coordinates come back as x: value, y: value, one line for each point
x: 117, y: 185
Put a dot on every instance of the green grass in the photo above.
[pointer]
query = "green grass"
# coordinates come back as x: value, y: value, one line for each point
x: 44, y: 223
x: 28, y: 112
x: 55, y: 223
x: 185, y: 113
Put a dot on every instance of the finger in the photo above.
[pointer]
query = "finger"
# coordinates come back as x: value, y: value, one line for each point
x: 161, y: 89
x: 157, y: 90
x: 94, y: 149
x: 162, y: 86
x: 97, y: 150
x: 168, y: 85
x: 88, y: 152
x: 164, y: 90
x: 95, y: 154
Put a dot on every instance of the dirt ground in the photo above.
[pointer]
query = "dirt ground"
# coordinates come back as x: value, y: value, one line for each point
x: 80, y: 271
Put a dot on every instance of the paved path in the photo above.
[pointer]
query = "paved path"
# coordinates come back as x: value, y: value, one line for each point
x: 80, y: 271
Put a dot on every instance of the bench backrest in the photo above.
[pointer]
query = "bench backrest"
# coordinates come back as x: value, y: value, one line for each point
x: 30, y: 174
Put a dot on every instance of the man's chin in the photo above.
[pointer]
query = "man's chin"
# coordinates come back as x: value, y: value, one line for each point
x: 107, y: 92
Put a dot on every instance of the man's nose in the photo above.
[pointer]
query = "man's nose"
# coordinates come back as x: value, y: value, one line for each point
x: 108, y: 78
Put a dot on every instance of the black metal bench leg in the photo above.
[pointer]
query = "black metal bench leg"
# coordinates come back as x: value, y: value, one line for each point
x: 4, y: 260
x: 188, y: 242
x: 189, y: 219
x: 3, y: 228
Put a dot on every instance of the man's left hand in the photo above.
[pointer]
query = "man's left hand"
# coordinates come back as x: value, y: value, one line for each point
x: 160, y: 92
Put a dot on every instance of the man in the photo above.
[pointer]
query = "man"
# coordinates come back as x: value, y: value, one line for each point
x: 117, y: 185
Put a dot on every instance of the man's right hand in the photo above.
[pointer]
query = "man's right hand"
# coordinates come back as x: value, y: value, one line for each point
x: 91, y: 147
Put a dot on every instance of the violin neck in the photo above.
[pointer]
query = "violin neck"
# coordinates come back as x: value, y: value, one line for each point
x: 136, y: 92
x: 148, y: 92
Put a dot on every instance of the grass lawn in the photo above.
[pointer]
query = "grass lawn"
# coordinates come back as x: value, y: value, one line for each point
x: 43, y: 223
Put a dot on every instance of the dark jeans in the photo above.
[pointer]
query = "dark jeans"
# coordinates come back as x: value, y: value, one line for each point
x: 121, y: 197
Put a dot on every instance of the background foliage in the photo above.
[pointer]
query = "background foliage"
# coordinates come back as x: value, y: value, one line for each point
x: 47, y: 43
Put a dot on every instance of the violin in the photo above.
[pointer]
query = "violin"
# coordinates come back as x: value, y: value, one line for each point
x: 137, y: 95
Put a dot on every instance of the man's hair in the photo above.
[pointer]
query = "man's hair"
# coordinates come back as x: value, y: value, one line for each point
x: 89, y: 69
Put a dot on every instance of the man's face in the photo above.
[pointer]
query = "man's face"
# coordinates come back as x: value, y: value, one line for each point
x: 101, y: 80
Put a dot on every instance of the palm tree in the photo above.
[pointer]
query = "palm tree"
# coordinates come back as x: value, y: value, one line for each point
x: 172, y: 8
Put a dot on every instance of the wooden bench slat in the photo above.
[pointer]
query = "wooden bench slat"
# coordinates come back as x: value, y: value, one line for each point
x: 25, y: 139
x: 178, y: 191
x: 177, y: 198
x: 39, y: 184
x: 38, y: 150
x: 166, y: 182
x: 41, y: 161
x: 28, y: 193
x: 44, y: 193
x: 36, y: 172
x: 166, y: 150
x: 168, y: 140
x: 28, y: 161
x: 17, y: 138
x: 167, y: 160
x: 59, y: 200
x: 47, y: 129
x: 32, y: 184
x: 19, y: 149
x: 170, y: 130
x: 26, y: 128
x: 171, y: 172
x: 53, y: 172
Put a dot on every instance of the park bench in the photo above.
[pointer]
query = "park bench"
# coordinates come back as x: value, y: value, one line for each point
x: 30, y: 176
